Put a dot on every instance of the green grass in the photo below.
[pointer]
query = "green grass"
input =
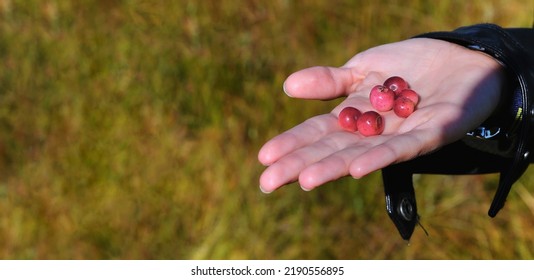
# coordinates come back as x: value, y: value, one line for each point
x: 130, y: 129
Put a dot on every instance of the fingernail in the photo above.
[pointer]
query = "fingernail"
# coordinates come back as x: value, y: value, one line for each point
x: 304, y: 189
x: 285, y: 90
x: 264, y: 191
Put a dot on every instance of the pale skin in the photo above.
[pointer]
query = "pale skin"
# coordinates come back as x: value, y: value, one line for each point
x: 459, y: 89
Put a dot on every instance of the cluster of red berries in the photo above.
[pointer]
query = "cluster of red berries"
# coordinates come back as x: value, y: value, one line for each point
x: 395, y: 94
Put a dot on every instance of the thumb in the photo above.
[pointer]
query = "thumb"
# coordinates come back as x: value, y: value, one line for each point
x: 322, y: 82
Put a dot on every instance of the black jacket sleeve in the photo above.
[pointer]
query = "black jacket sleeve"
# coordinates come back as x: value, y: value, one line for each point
x: 502, y: 144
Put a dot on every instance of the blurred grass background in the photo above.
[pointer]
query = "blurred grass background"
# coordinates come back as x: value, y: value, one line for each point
x: 129, y: 130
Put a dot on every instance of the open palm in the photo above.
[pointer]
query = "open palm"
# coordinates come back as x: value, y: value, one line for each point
x: 459, y: 89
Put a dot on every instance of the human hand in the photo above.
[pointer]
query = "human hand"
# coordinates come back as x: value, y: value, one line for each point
x: 459, y: 89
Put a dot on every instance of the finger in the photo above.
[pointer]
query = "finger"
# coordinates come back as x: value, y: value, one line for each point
x: 330, y: 168
x: 322, y: 82
x: 299, y: 136
x: 288, y: 168
x: 399, y: 148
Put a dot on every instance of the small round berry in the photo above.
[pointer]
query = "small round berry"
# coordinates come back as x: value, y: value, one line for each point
x: 396, y: 84
x: 381, y: 98
x: 403, y: 107
x: 370, y: 123
x: 347, y: 118
x: 410, y: 94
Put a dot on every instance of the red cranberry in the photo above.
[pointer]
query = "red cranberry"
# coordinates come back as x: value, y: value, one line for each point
x: 403, y: 107
x: 396, y: 84
x: 382, y: 98
x: 347, y: 118
x: 370, y: 123
x: 410, y: 94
